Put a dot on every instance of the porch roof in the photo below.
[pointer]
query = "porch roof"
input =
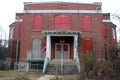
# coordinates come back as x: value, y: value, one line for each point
x: 62, y: 32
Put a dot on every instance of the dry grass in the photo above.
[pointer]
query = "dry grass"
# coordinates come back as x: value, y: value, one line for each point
x: 16, y: 74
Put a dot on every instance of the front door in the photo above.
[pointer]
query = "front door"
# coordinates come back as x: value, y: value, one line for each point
x: 62, y: 50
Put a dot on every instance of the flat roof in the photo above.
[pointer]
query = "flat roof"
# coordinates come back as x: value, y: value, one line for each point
x: 94, y: 3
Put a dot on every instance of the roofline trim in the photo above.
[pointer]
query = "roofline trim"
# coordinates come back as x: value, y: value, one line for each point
x: 47, y: 2
x: 106, y: 20
x: 62, y: 11
x: 19, y: 20
x: 61, y: 32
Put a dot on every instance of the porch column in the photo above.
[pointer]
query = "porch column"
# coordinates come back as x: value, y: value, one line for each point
x: 75, y: 46
x: 48, y: 46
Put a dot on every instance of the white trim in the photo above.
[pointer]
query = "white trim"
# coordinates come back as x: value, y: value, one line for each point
x: 62, y: 11
x: 19, y: 20
x: 94, y: 3
x: 113, y: 33
x: 48, y: 47
x: 75, y: 48
x: 61, y: 32
x: 106, y: 20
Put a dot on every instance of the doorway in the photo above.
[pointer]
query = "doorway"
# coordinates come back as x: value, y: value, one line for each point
x: 62, y: 50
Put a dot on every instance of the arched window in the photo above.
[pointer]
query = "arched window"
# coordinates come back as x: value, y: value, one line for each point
x: 36, y: 46
x: 37, y: 22
x: 86, y: 23
x: 87, y: 43
x: 62, y: 22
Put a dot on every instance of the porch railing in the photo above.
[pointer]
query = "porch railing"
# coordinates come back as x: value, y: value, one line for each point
x: 45, y: 64
x: 78, y: 63
x: 20, y: 66
x: 35, y: 55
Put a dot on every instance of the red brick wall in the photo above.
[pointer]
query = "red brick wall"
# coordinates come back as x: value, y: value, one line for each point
x: 63, y: 6
x: 28, y: 34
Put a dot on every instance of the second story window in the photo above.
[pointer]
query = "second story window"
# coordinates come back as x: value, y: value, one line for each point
x: 20, y: 30
x: 62, y: 22
x: 38, y: 22
x: 86, y: 22
x: 104, y: 30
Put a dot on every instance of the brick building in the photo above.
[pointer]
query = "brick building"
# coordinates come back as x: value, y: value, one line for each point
x: 51, y: 31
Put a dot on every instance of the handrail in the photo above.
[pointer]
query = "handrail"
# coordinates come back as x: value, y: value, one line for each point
x: 45, y: 64
x: 34, y: 54
x: 78, y: 63
x: 62, y: 63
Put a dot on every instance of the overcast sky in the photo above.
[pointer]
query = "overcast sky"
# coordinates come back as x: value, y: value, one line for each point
x: 8, y: 9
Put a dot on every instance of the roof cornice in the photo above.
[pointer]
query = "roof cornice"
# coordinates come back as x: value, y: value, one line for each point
x: 61, y: 11
x: 47, y: 2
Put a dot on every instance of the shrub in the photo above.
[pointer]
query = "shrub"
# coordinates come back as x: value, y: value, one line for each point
x: 104, y: 71
x: 88, y: 61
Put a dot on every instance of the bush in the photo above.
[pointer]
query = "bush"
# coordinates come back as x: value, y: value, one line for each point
x: 2, y: 65
x: 88, y: 61
x: 104, y: 71
x: 116, y: 65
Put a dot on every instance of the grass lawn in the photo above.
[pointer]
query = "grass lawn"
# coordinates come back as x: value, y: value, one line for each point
x: 15, y: 74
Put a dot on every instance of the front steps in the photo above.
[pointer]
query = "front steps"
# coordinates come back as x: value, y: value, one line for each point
x: 69, y: 67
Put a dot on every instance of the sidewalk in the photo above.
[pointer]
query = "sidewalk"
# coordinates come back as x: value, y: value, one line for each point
x: 46, y: 77
x: 65, y: 77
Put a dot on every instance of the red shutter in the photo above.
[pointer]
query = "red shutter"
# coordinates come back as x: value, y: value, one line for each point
x: 104, y: 30
x: 86, y: 23
x: 62, y: 23
x: 38, y: 22
x: 87, y: 46
x: 20, y: 30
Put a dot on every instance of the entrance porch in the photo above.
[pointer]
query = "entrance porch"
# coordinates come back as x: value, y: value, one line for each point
x: 61, y: 45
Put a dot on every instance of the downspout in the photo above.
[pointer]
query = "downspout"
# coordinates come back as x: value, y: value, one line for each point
x: 16, y: 59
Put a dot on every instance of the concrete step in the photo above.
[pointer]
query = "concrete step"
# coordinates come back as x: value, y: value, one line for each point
x: 65, y: 61
x: 69, y: 67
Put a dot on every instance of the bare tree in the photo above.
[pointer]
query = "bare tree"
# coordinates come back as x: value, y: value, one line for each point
x: 116, y: 16
x: 3, y: 47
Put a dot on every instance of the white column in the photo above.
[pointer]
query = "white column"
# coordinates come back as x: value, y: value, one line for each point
x: 75, y: 46
x: 48, y: 47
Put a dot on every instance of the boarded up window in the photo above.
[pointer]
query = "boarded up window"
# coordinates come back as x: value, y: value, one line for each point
x: 36, y: 44
x: 86, y: 23
x: 62, y: 22
x: 20, y: 30
x: 104, y: 30
x: 87, y: 45
x: 38, y: 22
x: 36, y: 48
